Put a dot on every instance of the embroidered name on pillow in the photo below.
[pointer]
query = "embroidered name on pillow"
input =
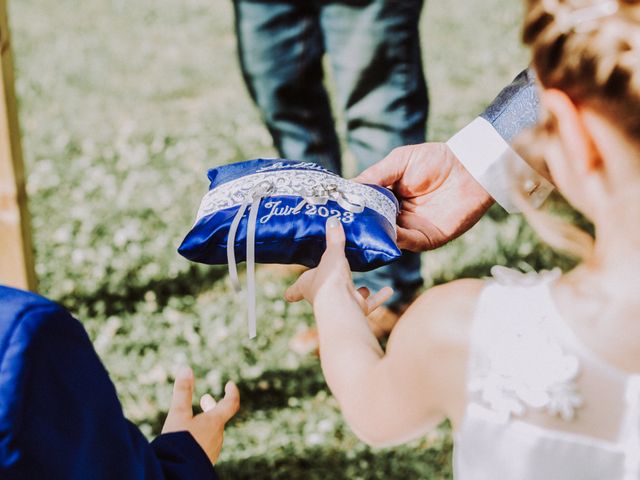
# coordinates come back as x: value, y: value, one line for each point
x: 275, y: 211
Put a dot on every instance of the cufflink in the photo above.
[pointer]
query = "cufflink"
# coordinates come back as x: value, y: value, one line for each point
x: 531, y: 186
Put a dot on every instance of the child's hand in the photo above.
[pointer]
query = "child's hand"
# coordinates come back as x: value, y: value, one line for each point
x: 207, y: 428
x: 332, y: 276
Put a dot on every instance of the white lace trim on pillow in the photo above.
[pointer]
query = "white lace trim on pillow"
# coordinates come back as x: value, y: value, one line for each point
x: 303, y: 183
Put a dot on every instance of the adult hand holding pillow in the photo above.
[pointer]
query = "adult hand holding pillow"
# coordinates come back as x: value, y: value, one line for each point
x: 275, y: 211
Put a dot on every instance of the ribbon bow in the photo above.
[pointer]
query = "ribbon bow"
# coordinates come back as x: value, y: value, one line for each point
x: 320, y: 194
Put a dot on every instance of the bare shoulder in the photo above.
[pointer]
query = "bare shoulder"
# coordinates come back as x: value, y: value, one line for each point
x: 445, y: 312
x: 434, y: 334
x: 439, y: 321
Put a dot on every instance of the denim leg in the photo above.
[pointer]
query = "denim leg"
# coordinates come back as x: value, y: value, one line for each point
x: 281, y: 46
x: 374, y: 50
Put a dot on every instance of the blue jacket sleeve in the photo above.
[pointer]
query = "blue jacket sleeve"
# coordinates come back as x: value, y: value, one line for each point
x: 181, y: 457
x: 60, y: 417
x: 515, y: 108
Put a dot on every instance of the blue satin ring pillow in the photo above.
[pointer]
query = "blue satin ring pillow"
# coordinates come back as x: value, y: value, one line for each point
x: 281, y: 207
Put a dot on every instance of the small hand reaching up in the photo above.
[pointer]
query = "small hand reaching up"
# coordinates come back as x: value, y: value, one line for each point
x: 404, y: 386
x: 439, y: 199
x: 332, y: 277
x: 207, y: 428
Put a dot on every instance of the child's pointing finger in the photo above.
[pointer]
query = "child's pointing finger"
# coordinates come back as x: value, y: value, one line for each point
x: 182, y: 394
x: 335, y: 235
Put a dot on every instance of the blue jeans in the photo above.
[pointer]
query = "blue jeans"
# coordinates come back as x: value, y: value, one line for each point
x: 374, y: 52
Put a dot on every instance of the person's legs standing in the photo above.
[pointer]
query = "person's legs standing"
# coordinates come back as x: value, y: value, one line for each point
x: 374, y: 48
x: 281, y: 48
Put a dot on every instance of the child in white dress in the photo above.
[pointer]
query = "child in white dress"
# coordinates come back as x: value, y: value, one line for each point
x: 538, y: 373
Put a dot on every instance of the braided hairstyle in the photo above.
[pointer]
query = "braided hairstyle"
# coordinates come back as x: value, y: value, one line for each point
x: 589, y: 49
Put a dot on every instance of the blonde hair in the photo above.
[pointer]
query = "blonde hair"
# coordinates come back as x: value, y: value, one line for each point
x: 593, y: 59
x: 591, y: 51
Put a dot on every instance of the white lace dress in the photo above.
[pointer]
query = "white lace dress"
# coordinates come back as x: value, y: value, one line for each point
x: 540, y: 404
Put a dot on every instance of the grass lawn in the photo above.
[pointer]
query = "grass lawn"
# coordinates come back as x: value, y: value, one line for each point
x: 124, y: 105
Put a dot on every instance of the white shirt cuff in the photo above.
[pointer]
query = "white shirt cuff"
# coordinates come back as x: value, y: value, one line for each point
x: 495, y: 165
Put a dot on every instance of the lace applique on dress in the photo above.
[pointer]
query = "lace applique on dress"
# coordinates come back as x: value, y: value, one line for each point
x: 522, y: 365
x: 516, y: 278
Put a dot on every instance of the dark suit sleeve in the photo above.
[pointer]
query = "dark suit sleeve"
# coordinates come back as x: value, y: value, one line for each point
x: 181, y: 457
x: 60, y: 417
x: 515, y: 108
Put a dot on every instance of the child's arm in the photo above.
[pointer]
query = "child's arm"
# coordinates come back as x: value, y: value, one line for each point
x: 393, y: 397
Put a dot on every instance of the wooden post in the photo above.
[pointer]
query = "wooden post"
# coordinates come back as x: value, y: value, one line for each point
x: 16, y: 252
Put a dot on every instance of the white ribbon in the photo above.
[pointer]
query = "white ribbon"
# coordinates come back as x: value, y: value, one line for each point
x: 231, y: 254
x: 253, y: 203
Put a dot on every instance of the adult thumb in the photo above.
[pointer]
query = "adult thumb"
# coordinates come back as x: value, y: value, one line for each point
x: 387, y: 171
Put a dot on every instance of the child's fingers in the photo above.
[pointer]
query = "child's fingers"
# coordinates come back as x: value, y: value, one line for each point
x: 229, y: 405
x: 330, y: 260
x: 334, y: 256
x: 377, y: 299
x: 207, y: 402
x: 335, y: 235
x: 182, y: 393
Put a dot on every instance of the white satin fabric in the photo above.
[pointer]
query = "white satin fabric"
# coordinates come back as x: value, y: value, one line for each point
x: 540, y: 404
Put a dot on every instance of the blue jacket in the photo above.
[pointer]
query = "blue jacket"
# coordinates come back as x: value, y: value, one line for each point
x: 60, y: 417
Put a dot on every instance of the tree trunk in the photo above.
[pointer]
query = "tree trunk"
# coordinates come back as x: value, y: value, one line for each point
x: 16, y: 251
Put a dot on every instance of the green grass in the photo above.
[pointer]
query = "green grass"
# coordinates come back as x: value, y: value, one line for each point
x: 124, y: 105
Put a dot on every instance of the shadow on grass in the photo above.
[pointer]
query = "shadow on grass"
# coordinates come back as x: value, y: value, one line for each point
x: 191, y: 282
x: 323, y: 464
x: 274, y: 388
